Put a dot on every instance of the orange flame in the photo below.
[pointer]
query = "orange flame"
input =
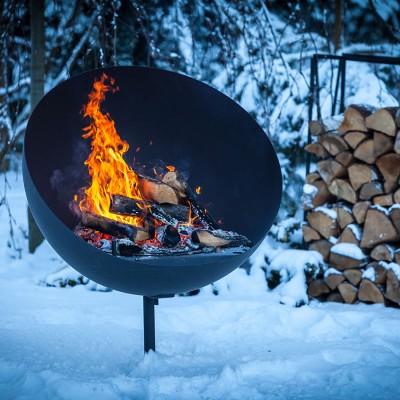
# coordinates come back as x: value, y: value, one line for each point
x: 170, y: 168
x: 198, y: 190
x: 109, y: 172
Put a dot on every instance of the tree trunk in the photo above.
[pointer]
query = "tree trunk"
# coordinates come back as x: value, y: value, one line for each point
x: 37, y: 91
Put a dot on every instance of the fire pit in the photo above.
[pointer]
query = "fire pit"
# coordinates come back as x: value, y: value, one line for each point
x: 178, y: 130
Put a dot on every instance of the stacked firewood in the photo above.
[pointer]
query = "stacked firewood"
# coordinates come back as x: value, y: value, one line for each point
x: 353, y: 205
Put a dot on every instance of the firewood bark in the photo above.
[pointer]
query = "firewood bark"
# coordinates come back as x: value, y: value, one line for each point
x: 354, y: 276
x: 156, y: 191
x: 397, y: 256
x: 382, y: 252
x: 383, y: 120
x: 320, y: 197
x: 169, y: 214
x: 378, y: 228
x: 370, y: 190
x: 343, y: 190
x: 334, y: 280
x: 348, y: 236
x: 369, y: 292
x: 330, y: 169
x: 365, y: 151
x: 168, y: 236
x: 125, y: 248
x: 175, y: 180
x: 392, y: 287
x: 117, y: 229
x: 396, y: 196
x: 385, y: 200
x: 317, y: 288
x: 342, y: 262
x: 360, y: 211
x: 323, y: 247
x: 219, y: 238
x: 359, y: 174
x: 317, y: 149
x: 344, y: 216
x: 310, y: 234
x: 312, y: 177
x: 345, y: 158
x: 319, y: 127
x: 354, y: 119
x: 395, y: 217
x: 389, y: 166
x: 396, y: 146
x: 335, y: 297
x: 348, y: 292
x: 380, y: 272
x: 353, y: 139
x: 382, y: 144
x: 324, y: 224
x: 332, y: 143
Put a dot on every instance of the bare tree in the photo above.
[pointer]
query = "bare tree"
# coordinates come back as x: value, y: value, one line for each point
x: 37, y: 91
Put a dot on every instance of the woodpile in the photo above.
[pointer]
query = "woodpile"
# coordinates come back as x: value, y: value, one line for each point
x: 352, y: 203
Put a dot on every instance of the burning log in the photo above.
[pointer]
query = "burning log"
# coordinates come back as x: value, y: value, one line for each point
x: 219, y: 238
x: 156, y: 191
x: 175, y: 180
x: 169, y: 214
x: 125, y: 248
x: 117, y: 229
x: 168, y: 236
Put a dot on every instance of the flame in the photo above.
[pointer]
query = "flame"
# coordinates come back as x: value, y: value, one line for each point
x: 198, y: 190
x: 109, y: 172
x: 170, y: 168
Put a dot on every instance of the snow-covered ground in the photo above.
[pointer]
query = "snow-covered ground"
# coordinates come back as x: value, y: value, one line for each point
x: 74, y: 343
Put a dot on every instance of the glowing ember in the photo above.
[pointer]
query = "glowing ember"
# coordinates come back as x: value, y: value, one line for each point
x: 109, y: 172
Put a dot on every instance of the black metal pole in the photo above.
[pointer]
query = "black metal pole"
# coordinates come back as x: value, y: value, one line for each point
x: 149, y: 324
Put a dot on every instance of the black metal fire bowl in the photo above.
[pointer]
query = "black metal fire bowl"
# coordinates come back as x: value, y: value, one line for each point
x: 193, y: 127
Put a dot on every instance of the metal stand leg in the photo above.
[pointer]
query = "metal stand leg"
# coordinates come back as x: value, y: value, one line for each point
x: 149, y: 324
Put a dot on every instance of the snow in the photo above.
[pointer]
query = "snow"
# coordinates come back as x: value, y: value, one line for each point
x: 349, y: 250
x: 369, y: 273
x: 328, y: 211
x: 356, y: 229
x: 381, y: 209
x: 393, y: 266
x: 76, y: 343
x: 310, y: 189
x: 331, y: 271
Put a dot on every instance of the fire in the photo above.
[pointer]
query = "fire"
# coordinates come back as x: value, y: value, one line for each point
x: 170, y: 168
x: 198, y: 190
x: 110, y: 174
